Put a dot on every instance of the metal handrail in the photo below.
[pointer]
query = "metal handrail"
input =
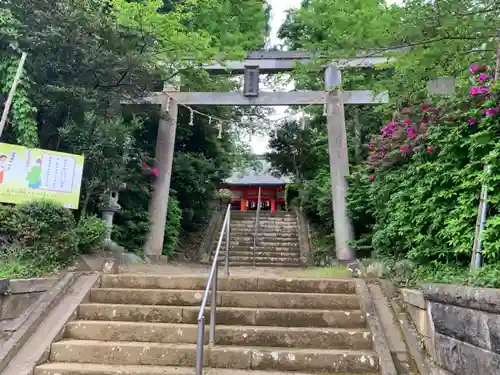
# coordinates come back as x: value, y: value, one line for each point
x: 256, y: 229
x: 212, y: 285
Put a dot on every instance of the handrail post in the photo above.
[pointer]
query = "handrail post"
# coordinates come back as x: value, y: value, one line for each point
x: 228, y: 238
x: 211, y: 287
x: 213, y: 305
x: 200, y: 341
x: 257, y: 214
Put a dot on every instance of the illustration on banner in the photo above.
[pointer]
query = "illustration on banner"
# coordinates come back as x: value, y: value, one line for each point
x: 27, y: 174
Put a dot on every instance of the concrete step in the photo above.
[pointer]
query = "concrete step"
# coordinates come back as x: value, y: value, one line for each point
x: 263, y: 221
x: 268, y: 234
x: 233, y: 283
x: 282, y: 219
x: 96, y: 369
x: 283, y: 337
x: 261, y: 358
x: 262, y: 214
x: 248, y: 251
x: 264, y: 234
x: 226, y: 298
x: 278, y: 249
x: 259, y: 254
x: 277, y: 214
x: 275, y: 255
x: 225, y: 315
x: 250, y: 247
x: 267, y: 265
x: 237, y: 241
x: 264, y: 225
x: 278, y: 252
x: 257, y: 249
x: 243, y: 237
x: 264, y: 218
x: 249, y: 259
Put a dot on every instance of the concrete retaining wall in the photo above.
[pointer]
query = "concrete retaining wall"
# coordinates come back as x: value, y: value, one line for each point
x: 460, y: 326
x: 16, y: 296
x: 304, y: 237
x: 17, y: 299
x: 212, y: 229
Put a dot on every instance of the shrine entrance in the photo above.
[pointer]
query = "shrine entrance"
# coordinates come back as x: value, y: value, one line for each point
x: 258, y: 63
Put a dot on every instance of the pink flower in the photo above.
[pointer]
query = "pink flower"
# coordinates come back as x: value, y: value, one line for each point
x: 408, y: 122
x: 388, y: 130
x: 484, y: 77
x: 404, y: 149
x: 429, y: 149
x: 372, y: 178
x: 490, y: 111
x: 156, y: 172
x: 474, y: 68
x: 472, y: 121
x: 478, y: 90
x: 425, y: 107
x: 411, y: 133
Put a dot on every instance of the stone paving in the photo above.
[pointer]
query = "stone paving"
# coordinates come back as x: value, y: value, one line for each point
x: 198, y: 269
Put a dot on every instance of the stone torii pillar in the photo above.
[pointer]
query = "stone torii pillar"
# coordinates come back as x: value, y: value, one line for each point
x: 164, y: 156
x: 339, y: 164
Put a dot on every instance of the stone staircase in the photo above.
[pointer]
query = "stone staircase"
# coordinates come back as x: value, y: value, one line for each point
x: 146, y: 325
x: 277, y: 243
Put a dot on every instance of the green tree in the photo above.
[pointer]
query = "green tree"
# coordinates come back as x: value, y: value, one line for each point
x: 85, y: 56
x: 22, y: 109
x: 440, y: 38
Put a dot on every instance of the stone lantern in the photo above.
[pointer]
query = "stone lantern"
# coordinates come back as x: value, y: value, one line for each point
x: 108, y: 210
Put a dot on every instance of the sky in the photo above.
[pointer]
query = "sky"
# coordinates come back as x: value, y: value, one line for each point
x: 278, y: 14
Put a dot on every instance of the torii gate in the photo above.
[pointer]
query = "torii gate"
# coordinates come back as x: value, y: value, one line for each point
x: 265, y: 63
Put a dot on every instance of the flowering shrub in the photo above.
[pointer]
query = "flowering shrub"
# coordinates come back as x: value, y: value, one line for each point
x: 147, y: 165
x: 416, y: 196
x: 402, y: 136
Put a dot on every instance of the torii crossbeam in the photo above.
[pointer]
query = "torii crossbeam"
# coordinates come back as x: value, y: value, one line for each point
x: 265, y: 63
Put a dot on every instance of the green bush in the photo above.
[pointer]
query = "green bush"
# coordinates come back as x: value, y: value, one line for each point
x: 132, y: 224
x: 46, y: 230
x: 90, y: 234
x: 416, y: 196
x: 42, y: 236
x: 316, y: 198
x: 487, y: 276
x: 173, y: 227
x: 225, y: 195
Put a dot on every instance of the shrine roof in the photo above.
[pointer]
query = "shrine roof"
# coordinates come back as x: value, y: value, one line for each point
x: 261, y: 174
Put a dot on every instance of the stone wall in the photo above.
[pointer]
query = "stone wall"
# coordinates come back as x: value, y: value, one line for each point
x: 304, y: 238
x: 16, y: 299
x: 460, y: 327
x: 211, y: 231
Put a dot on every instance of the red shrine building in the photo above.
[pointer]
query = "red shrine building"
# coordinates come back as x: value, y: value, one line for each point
x: 245, y: 186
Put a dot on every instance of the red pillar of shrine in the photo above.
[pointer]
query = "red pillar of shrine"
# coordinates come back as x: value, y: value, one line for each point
x: 273, y: 205
x: 243, y: 206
